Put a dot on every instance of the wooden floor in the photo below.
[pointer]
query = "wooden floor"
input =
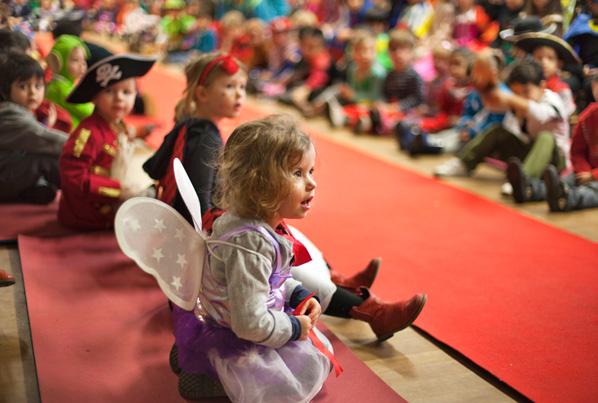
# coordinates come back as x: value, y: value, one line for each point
x: 418, y: 368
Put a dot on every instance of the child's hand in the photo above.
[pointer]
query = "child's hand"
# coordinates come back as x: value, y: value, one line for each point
x: 306, y: 326
x: 52, y: 115
x: 584, y: 177
x: 313, y: 309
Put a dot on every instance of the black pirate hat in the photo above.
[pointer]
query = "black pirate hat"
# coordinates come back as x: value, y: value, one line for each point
x: 532, y: 40
x: 523, y: 25
x: 106, y: 72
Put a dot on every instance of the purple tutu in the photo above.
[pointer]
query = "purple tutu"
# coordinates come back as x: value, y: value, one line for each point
x: 249, y: 372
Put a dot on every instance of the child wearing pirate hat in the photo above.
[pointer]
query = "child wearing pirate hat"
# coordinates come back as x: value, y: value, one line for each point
x: 90, y: 195
x: 552, y: 53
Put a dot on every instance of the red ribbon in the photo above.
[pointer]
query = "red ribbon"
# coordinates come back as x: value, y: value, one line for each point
x: 227, y: 63
x: 317, y: 342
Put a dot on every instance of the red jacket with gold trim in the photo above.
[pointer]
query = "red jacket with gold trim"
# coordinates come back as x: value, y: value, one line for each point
x: 89, y: 195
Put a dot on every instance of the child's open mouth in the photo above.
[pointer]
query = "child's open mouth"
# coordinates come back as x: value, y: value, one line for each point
x: 306, y: 204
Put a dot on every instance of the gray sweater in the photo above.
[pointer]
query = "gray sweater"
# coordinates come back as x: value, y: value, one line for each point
x: 235, y: 288
x: 20, y: 131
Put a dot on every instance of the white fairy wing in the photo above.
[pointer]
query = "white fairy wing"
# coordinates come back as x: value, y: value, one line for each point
x: 187, y: 192
x: 164, y: 245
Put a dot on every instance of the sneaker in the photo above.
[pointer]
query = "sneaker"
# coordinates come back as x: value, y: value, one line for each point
x: 363, y: 125
x: 335, y: 113
x: 506, y: 189
x: 452, y: 167
x: 556, y: 191
x: 519, y: 182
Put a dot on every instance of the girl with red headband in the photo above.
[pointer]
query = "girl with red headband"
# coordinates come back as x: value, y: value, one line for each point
x: 215, y: 90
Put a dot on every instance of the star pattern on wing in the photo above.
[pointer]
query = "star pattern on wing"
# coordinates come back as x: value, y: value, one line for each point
x: 176, y: 282
x: 157, y: 254
x: 179, y: 234
x: 134, y: 224
x: 159, y: 224
x: 181, y: 260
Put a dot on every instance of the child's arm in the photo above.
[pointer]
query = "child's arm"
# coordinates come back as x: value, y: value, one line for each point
x: 542, y: 112
x: 21, y: 131
x: 247, y: 277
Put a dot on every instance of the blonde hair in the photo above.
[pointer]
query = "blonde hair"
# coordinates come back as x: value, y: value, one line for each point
x: 187, y: 106
x: 232, y: 19
x: 255, y: 167
x: 362, y: 36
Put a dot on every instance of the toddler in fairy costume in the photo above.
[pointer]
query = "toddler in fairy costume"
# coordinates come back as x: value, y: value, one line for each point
x: 241, y: 330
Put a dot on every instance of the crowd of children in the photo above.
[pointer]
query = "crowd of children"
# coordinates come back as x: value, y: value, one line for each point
x: 480, y: 80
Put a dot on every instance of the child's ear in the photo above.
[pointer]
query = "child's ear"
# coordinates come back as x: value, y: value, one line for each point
x: 200, y: 93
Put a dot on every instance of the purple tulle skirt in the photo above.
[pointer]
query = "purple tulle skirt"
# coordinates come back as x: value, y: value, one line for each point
x: 249, y: 372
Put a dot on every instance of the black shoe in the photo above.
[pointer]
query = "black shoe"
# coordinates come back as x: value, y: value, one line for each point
x: 417, y: 145
x: 556, y: 193
x: 198, y: 387
x: 376, y: 120
x: 173, y: 360
x: 518, y: 181
x: 39, y: 194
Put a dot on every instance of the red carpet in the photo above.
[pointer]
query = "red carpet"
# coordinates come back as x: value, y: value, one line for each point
x: 516, y: 296
x: 101, y: 328
x: 30, y: 219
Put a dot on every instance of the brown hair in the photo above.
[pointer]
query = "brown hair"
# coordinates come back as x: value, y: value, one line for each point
x: 256, y: 166
x: 401, y: 38
x: 187, y: 106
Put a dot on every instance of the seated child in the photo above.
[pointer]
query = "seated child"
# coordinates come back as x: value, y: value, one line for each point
x: 311, y: 73
x: 425, y: 133
x: 68, y: 62
x: 552, y: 53
x: 247, y: 291
x: 90, y: 193
x: 29, y: 150
x: 476, y: 118
x: 578, y: 190
x: 362, y: 88
x: 403, y: 88
x: 534, y: 121
x: 215, y: 90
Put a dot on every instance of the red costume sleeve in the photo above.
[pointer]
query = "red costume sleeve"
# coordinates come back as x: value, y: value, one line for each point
x: 585, y: 132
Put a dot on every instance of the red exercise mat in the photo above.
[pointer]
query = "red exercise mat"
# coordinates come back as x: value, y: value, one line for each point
x: 30, y: 219
x: 101, y: 329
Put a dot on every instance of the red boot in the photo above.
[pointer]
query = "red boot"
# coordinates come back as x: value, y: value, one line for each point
x: 6, y: 279
x: 364, y: 278
x: 386, y: 318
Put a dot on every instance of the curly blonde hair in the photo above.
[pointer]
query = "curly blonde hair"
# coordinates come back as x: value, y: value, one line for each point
x: 255, y: 167
x: 187, y: 106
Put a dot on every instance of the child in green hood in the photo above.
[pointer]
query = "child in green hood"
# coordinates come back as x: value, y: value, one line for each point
x: 67, y: 60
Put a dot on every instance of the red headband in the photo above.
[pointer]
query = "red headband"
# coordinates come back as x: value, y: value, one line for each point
x: 228, y: 64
